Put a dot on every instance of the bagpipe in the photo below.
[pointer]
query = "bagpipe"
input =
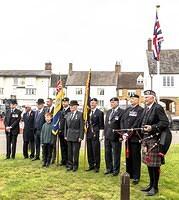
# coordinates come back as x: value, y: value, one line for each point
x: 164, y: 138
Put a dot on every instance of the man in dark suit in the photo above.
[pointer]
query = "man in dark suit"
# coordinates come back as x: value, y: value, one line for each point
x: 94, y: 136
x: 28, y: 132
x: 112, y: 141
x: 131, y: 119
x: 38, y: 123
x: 74, y: 134
x: 63, y: 142
x: 50, y: 109
x: 154, y: 121
x: 11, y: 122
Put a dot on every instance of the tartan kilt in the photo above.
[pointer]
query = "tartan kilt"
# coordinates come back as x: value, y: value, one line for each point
x: 151, y: 159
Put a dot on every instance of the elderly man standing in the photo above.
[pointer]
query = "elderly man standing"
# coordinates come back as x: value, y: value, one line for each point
x: 131, y: 119
x: 112, y: 141
x: 38, y: 123
x: 28, y: 132
x: 154, y: 121
x: 12, y: 129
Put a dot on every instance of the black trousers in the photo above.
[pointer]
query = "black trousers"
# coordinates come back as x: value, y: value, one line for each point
x: 29, y: 145
x: 112, y: 155
x: 47, y: 153
x: 133, y: 162
x: 154, y: 174
x: 37, y: 143
x: 54, y: 149
x: 64, y: 150
x: 73, y: 154
x: 93, y: 151
x: 11, y: 141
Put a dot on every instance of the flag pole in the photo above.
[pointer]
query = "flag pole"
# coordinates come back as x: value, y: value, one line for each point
x: 158, y: 68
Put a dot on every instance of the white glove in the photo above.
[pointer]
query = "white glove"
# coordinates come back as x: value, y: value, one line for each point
x: 124, y: 136
x: 101, y: 135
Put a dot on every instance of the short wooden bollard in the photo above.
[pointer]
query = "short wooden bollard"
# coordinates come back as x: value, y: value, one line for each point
x: 125, y: 186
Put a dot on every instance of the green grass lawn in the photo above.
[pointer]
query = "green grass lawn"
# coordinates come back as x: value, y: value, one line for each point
x: 24, y: 179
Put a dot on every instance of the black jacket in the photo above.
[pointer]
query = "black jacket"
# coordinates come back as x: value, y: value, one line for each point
x: 96, y: 123
x: 28, y: 132
x: 63, y: 115
x: 13, y: 119
x: 114, y: 123
x: 40, y: 121
x: 131, y: 119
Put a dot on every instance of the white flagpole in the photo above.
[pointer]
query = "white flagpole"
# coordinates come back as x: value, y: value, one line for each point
x: 158, y: 81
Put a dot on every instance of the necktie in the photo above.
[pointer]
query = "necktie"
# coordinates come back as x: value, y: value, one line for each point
x: 111, y: 114
x: 72, y: 115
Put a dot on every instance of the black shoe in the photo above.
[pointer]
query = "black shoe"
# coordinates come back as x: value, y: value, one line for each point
x: 69, y: 168
x: 89, y: 169
x: 7, y: 158
x: 115, y: 173
x: 47, y: 165
x: 152, y: 192
x: 75, y: 169
x: 108, y: 172
x: 96, y: 170
x: 13, y: 157
x: 135, y: 181
x: 146, y: 189
x: 44, y: 165
x: 31, y: 156
x: 36, y: 158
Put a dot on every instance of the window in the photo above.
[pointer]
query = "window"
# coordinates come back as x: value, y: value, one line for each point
x: 140, y: 80
x: 100, y: 91
x: 78, y: 91
x: 120, y: 93
x: 30, y: 81
x: 164, y: 81
x: 15, y: 81
x: 131, y: 92
x: 168, y: 81
x: 1, y: 90
x: 30, y: 91
x: 101, y: 103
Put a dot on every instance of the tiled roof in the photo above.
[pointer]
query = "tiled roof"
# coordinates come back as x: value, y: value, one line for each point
x: 169, y: 62
x: 128, y: 80
x: 25, y: 73
x: 56, y: 77
x: 98, y: 78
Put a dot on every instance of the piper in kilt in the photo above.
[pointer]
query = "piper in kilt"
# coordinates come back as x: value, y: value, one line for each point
x: 154, y: 121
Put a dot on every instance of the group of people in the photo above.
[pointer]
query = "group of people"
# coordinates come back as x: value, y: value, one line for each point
x: 117, y: 126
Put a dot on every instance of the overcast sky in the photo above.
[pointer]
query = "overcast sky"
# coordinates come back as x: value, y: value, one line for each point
x: 89, y: 33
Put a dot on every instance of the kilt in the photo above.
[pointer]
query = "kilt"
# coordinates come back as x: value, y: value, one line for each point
x: 151, y: 158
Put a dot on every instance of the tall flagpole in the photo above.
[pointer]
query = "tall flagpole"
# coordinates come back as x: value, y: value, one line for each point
x: 158, y: 69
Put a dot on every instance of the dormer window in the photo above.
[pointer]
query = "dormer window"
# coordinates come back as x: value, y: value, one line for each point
x: 140, y: 80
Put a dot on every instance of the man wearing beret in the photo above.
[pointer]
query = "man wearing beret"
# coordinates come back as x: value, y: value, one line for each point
x: 131, y: 119
x: 154, y: 121
x: 112, y: 141
x: 74, y: 134
x: 94, y: 136
x: 63, y: 142
x: 39, y: 120
x: 12, y: 129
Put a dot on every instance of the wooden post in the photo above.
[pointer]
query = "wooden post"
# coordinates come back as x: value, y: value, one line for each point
x: 125, y: 186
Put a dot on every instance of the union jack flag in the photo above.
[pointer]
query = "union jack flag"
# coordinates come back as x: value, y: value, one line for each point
x: 157, y: 39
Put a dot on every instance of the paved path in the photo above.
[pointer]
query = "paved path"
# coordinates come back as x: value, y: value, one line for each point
x: 175, y: 140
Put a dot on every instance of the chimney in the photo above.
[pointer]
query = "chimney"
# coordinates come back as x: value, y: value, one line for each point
x: 117, y: 67
x: 149, y: 44
x: 70, y: 69
x: 48, y: 66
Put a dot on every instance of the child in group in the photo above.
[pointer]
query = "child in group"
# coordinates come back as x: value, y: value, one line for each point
x: 47, y: 140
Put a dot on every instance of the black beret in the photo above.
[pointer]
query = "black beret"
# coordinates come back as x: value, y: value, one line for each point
x: 149, y: 92
x: 94, y: 99
x: 40, y: 101
x: 134, y: 95
x: 114, y: 99
x: 74, y: 103
x: 13, y: 101
x: 65, y: 99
